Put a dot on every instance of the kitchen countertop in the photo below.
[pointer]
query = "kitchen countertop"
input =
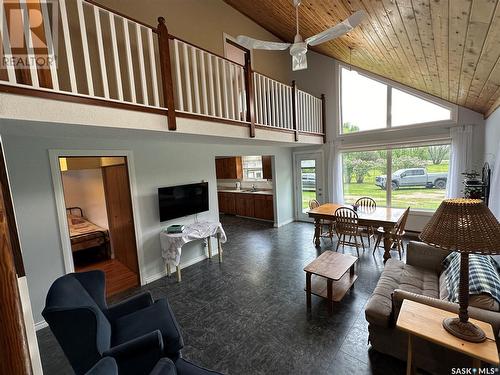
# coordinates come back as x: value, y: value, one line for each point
x: 244, y: 191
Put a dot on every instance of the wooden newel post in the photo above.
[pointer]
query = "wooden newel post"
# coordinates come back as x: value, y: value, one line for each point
x: 250, y: 95
x: 294, y: 111
x: 323, y: 117
x: 166, y: 73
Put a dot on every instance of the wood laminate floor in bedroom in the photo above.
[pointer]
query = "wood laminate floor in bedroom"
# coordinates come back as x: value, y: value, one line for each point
x: 118, y: 276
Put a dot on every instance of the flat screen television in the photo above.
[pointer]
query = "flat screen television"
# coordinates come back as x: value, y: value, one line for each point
x: 182, y: 200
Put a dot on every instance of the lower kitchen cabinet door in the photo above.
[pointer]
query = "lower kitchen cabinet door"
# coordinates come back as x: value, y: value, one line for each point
x: 249, y: 206
x: 231, y: 203
x: 269, y: 208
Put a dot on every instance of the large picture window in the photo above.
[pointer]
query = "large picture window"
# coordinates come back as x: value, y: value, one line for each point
x: 419, y: 176
x: 367, y: 104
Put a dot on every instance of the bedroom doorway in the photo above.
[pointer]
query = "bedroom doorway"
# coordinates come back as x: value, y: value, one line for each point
x: 100, y: 219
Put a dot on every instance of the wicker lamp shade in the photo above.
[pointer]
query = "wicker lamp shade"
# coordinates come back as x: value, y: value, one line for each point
x: 466, y: 226
x: 463, y: 225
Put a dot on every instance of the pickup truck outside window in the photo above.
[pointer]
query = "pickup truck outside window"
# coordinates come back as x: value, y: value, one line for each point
x: 419, y: 176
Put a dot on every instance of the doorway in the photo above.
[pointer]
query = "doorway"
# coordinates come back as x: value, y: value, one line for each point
x: 308, y: 169
x: 101, y: 231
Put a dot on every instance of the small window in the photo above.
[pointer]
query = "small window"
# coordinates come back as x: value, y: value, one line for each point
x: 409, y: 109
x: 252, y: 168
x: 364, y: 103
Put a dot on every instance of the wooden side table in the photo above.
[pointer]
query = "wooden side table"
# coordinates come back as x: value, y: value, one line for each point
x: 426, y: 322
x: 334, y: 277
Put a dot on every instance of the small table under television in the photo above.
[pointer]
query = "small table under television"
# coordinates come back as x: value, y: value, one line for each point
x: 171, y: 243
x: 333, y: 277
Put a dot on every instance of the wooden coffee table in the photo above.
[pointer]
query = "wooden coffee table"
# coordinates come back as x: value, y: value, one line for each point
x: 331, y: 278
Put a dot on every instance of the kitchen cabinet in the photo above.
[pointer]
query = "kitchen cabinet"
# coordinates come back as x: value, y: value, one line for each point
x: 245, y: 205
x: 227, y: 203
x: 264, y: 207
x: 267, y: 168
x: 259, y: 206
x: 229, y: 168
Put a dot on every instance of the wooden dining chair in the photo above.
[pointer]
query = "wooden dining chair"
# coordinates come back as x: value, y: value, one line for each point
x: 313, y: 203
x: 346, y: 224
x: 396, y: 236
x: 368, y: 205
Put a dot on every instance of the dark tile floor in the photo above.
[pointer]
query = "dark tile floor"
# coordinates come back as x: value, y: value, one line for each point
x: 248, y: 314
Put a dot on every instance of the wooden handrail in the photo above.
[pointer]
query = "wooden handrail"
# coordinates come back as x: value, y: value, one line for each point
x: 294, y: 110
x: 250, y: 95
x: 166, y: 73
x: 95, y: 3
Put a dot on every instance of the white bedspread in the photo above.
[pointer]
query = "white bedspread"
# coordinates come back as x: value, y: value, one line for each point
x: 171, y: 243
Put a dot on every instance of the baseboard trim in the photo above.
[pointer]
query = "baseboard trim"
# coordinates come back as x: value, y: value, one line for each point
x: 41, y: 325
x: 291, y: 220
x: 163, y: 273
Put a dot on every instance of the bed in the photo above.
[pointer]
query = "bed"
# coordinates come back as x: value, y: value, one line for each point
x: 84, y: 234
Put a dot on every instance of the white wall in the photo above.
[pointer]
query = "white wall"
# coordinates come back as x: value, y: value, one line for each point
x: 84, y: 188
x: 492, y: 137
x: 160, y: 160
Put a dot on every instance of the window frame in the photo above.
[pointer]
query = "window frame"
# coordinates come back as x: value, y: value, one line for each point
x: 389, y: 171
x: 453, y: 108
x: 244, y: 179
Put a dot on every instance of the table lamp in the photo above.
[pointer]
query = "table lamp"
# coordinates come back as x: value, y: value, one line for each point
x: 468, y: 227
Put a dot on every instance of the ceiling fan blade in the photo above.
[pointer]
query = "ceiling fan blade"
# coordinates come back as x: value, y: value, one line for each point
x: 252, y: 43
x: 337, y: 30
x: 299, y: 62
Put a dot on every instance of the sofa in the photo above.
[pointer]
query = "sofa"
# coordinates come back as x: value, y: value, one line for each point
x: 417, y: 280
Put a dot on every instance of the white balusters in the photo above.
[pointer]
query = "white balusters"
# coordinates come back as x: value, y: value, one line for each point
x: 116, y: 58
x: 152, y: 61
x: 142, y: 69
x: 194, y: 71
x: 203, y: 83
x: 50, y: 45
x: 211, y: 90
x: 177, y: 63
x: 29, y: 44
x: 100, y: 47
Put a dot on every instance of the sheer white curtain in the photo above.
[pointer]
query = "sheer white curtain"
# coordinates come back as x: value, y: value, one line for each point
x: 460, y: 159
x: 494, y: 201
x: 335, y: 186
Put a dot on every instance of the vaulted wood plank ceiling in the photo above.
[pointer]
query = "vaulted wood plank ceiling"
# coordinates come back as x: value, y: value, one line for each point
x: 447, y: 48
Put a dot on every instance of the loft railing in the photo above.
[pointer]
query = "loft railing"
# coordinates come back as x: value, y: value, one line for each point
x: 110, y: 59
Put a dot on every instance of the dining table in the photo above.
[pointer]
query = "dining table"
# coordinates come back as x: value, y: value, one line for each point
x: 385, y: 217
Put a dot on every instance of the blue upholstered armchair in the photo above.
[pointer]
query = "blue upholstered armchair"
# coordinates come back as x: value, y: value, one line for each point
x: 137, y: 332
x: 108, y: 366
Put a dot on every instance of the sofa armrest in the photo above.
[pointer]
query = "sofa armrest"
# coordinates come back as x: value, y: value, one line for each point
x: 425, y: 256
x: 130, y: 305
x: 138, y: 356
x: 487, y: 316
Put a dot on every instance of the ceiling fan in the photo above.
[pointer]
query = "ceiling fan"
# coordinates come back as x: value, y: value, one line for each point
x: 298, y: 49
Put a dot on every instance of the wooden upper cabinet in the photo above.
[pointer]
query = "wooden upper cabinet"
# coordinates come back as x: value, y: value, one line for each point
x: 267, y: 168
x: 229, y: 168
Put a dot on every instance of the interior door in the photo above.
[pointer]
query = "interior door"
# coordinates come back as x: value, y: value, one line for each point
x: 120, y: 215
x: 308, y: 182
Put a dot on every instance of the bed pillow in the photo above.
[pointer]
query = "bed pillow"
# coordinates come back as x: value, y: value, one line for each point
x: 484, y: 281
